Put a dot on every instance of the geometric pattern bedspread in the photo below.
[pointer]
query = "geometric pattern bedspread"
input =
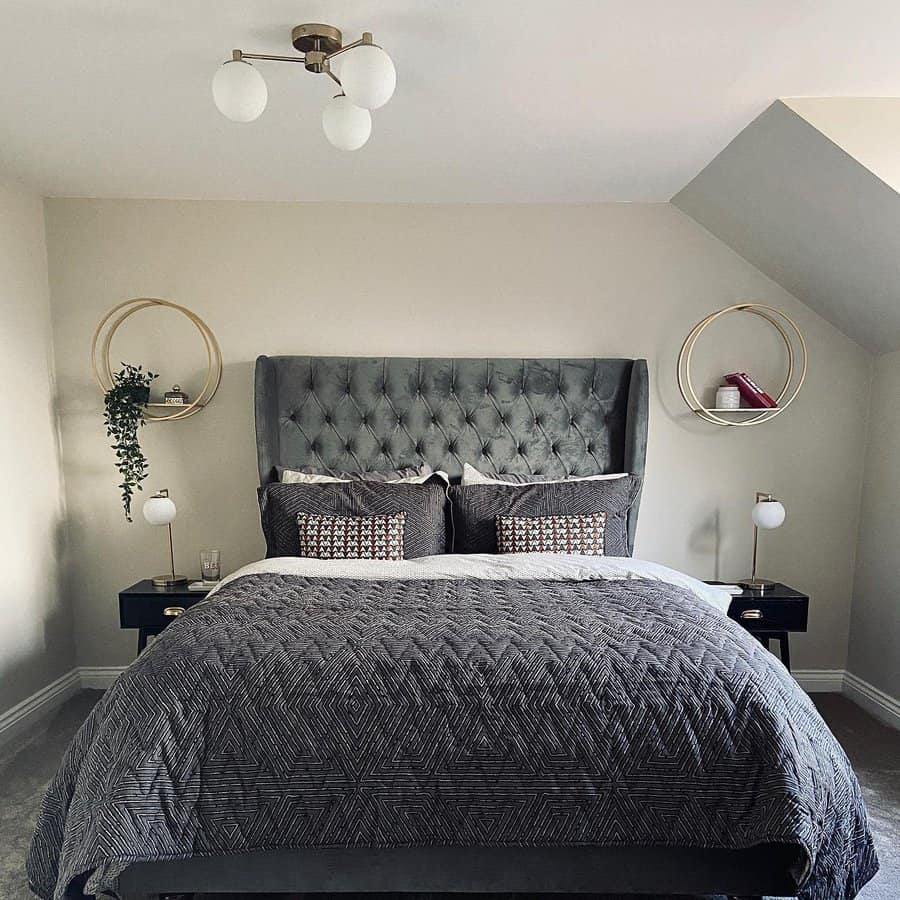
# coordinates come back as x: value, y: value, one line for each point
x: 290, y: 712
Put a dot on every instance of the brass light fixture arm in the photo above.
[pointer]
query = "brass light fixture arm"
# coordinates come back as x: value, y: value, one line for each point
x: 327, y: 70
x: 321, y: 59
x: 365, y: 39
x: 238, y: 55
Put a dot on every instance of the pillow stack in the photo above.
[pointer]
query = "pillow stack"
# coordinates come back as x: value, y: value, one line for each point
x: 404, y: 514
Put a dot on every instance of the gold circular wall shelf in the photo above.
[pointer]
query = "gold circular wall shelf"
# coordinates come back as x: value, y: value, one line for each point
x: 103, y: 374
x: 796, y: 375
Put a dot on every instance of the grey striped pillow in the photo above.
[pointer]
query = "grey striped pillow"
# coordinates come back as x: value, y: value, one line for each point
x: 424, y: 533
x: 475, y: 508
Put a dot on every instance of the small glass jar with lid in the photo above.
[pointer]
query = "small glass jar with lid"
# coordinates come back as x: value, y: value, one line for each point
x: 176, y: 397
x: 728, y: 397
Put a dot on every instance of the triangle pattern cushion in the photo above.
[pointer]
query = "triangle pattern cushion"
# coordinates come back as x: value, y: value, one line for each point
x: 351, y: 537
x: 551, y: 534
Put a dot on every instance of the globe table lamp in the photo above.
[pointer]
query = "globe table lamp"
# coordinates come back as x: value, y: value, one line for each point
x: 768, y: 513
x: 160, y: 510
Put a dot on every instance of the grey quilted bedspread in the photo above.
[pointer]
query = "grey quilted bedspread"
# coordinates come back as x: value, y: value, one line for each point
x: 298, y: 712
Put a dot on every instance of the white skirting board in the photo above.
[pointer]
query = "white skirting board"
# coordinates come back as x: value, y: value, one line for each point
x: 881, y: 705
x: 41, y: 703
x: 820, y: 681
x: 44, y: 701
x: 99, y: 677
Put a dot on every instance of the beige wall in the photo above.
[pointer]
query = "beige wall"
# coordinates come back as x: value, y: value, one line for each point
x: 603, y: 280
x: 875, y: 632
x: 36, y: 644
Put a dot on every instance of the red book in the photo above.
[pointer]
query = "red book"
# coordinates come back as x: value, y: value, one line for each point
x: 751, y: 391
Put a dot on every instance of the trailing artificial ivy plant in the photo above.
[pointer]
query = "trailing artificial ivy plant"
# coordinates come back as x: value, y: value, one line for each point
x: 124, y: 406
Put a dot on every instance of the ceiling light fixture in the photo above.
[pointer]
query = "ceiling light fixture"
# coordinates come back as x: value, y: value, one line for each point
x: 367, y: 81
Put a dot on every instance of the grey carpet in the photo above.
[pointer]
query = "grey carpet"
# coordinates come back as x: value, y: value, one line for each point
x: 27, y: 764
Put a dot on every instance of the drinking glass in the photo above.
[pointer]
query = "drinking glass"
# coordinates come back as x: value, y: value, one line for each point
x: 209, y: 565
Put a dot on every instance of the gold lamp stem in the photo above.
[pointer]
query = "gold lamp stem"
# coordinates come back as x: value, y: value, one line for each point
x: 752, y: 568
x: 172, y: 554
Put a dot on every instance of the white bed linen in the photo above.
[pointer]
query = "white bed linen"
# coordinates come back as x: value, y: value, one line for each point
x: 488, y: 566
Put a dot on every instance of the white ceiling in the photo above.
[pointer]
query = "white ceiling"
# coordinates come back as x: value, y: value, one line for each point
x: 497, y: 100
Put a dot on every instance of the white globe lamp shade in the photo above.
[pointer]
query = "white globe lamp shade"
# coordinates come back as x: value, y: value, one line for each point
x: 346, y: 125
x: 368, y: 76
x: 159, y: 511
x: 239, y: 91
x: 768, y: 514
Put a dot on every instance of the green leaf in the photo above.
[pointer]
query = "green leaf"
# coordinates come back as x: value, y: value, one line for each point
x: 124, y: 405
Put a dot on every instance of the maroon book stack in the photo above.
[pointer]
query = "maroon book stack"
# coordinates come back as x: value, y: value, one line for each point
x: 752, y: 393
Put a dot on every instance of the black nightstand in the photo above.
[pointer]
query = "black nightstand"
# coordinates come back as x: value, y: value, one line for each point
x: 771, y: 614
x: 150, y: 609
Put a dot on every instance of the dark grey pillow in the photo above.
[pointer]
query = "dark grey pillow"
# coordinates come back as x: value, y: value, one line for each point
x: 424, y: 533
x: 475, y: 508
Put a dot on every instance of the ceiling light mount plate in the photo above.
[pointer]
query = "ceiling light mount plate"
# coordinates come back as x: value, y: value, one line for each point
x: 316, y: 37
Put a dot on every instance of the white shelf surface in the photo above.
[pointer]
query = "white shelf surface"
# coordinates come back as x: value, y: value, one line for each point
x: 742, y: 409
x: 158, y: 405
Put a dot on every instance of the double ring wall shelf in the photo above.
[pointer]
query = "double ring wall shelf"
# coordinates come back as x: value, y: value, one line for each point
x: 796, y: 369
x: 157, y: 412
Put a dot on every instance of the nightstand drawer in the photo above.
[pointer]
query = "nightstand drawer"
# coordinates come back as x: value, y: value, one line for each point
x: 153, y: 611
x: 759, y: 613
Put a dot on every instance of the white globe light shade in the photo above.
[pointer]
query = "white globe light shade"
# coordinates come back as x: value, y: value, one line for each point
x: 159, y: 511
x: 368, y: 76
x: 239, y: 91
x: 347, y: 126
x: 768, y: 514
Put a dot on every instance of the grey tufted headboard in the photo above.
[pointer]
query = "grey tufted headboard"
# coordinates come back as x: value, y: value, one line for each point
x: 537, y: 416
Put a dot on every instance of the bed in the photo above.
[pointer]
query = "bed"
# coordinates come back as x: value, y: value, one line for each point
x: 455, y: 723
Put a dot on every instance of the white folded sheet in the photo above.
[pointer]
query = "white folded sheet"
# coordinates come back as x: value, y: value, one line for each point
x: 487, y: 566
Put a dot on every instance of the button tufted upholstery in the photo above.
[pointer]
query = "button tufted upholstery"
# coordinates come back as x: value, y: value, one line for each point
x: 554, y: 417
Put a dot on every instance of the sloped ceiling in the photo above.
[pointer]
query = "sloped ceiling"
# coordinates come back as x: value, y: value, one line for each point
x: 798, y: 206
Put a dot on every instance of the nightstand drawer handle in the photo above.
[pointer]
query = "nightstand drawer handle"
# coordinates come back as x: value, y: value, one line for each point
x: 752, y: 614
x: 173, y: 611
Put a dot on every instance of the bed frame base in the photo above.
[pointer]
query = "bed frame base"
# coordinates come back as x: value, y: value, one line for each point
x: 192, y: 897
x: 754, y: 872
